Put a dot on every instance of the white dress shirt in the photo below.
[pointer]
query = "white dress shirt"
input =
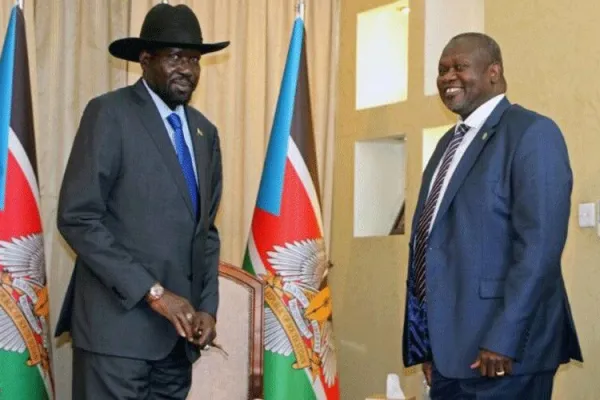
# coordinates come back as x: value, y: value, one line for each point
x: 165, y: 111
x: 475, y: 121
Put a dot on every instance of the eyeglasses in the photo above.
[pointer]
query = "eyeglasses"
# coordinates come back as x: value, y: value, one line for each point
x: 212, y: 345
x: 175, y: 59
x: 217, y: 346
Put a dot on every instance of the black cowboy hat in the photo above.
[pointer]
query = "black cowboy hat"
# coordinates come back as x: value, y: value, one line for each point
x: 165, y: 26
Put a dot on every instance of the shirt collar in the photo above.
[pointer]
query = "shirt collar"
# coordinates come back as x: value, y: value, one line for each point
x: 162, y: 107
x: 481, y: 113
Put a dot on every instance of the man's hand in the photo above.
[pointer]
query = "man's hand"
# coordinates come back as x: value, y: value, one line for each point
x: 492, y: 364
x: 204, y: 329
x: 427, y: 371
x: 176, y: 309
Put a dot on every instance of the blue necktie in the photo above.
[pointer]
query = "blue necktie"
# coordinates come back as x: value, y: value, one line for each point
x: 185, y: 159
x: 419, y: 346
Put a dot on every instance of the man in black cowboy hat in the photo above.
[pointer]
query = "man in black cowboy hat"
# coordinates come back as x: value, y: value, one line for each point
x: 137, y: 205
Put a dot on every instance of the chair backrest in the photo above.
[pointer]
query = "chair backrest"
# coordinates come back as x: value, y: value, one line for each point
x: 240, y: 319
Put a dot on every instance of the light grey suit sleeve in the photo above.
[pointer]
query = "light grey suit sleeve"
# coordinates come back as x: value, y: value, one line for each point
x: 209, y: 300
x: 93, y: 167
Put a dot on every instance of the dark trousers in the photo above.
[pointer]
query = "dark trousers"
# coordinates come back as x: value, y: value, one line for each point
x: 100, y: 377
x: 520, y: 387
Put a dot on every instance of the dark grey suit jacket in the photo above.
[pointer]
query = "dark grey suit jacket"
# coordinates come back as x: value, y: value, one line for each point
x: 125, y: 209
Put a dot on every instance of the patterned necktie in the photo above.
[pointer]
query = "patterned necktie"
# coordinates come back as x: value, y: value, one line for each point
x: 424, y: 226
x: 418, y: 335
x: 185, y: 159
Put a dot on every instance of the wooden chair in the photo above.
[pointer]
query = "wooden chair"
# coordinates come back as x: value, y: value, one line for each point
x: 240, y: 319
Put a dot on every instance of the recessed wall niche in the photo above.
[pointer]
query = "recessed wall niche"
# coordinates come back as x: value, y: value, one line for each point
x: 443, y: 20
x: 382, y: 55
x: 379, y: 186
x: 431, y: 137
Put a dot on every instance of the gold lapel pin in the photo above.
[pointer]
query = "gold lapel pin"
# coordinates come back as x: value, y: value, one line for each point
x: 199, y: 132
x: 485, y: 135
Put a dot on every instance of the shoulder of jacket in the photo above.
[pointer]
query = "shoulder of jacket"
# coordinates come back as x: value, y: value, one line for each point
x: 519, y: 116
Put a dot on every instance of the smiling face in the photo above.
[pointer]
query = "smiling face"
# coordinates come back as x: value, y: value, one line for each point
x: 467, y: 76
x: 172, y: 73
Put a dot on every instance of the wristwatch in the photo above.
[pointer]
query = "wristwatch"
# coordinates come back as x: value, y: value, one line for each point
x: 155, y: 292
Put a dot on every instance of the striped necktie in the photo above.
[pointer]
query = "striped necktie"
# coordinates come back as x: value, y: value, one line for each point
x: 417, y: 345
x: 425, y: 220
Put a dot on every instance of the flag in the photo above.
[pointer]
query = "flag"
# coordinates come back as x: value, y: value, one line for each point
x: 286, y: 248
x: 25, y: 371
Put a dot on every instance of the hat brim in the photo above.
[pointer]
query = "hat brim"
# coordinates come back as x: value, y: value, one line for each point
x: 130, y: 48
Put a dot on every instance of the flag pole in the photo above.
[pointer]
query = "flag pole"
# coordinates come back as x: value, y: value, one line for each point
x: 300, y: 9
x: 20, y: 4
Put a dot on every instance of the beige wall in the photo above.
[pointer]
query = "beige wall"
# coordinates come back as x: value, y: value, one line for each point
x: 551, y: 55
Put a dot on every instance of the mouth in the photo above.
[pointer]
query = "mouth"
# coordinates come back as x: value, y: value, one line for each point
x: 452, y: 91
x: 451, y: 94
x: 182, y: 85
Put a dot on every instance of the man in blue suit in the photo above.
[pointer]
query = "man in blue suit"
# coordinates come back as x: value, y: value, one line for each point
x: 487, y: 312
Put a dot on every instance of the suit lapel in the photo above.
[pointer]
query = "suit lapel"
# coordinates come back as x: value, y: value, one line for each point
x: 470, y: 157
x: 200, y: 152
x: 155, y: 127
x: 435, y: 159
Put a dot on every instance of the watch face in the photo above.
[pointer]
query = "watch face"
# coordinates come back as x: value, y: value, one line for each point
x: 156, y: 291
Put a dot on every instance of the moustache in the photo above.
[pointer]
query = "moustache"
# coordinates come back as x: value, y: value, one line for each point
x: 182, y: 80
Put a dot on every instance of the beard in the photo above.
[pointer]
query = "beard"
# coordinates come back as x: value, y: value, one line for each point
x: 179, y: 90
x: 176, y: 91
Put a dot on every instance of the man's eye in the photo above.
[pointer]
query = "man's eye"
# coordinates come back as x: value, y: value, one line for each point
x: 174, y: 57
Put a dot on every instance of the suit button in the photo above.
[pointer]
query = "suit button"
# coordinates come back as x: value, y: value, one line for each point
x: 189, y: 277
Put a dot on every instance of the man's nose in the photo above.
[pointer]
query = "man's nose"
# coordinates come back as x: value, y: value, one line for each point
x: 184, y: 68
x: 448, y: 76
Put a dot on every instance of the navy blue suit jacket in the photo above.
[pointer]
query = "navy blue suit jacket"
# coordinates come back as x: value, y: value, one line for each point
x: 494, y: 277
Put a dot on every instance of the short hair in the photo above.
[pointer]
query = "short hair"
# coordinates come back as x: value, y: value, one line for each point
x: 485, y: 43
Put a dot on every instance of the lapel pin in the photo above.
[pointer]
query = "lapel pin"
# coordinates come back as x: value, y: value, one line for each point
x: 485, y: 135
x: 199, y: 132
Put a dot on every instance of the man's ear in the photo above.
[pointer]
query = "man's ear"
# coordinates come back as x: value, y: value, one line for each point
x: 145, y: 58
x: 495, y: 73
